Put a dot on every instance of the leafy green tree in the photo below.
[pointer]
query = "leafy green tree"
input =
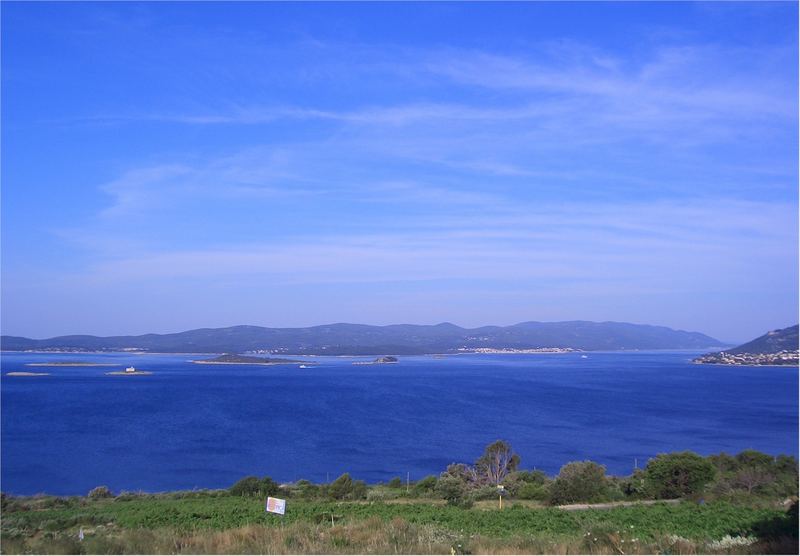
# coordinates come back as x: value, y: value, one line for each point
x: 397, y: 482
x: 579, y: 481
x: 678, y: 474
x: 497, y: 461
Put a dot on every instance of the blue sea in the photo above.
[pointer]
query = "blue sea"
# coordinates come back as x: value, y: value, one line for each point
x: 205, y: 426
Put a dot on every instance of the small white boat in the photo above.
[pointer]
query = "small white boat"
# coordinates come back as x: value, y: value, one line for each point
x: 303, y: 366
x: 584, y: 357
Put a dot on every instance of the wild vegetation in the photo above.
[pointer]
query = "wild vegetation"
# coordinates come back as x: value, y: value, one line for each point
x: 728, y: 504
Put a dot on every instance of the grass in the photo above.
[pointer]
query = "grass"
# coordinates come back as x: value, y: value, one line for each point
x: 214, y: 523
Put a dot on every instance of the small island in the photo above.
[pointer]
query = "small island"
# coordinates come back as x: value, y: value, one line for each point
x: 26, y: 374
x: 388, y: 359
x: 233, y: 359
x: 130, y: 371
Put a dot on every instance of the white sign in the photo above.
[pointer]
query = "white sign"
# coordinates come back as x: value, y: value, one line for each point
x: 276, y: 505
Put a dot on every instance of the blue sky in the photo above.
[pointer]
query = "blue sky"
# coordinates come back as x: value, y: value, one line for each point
x: 173, y: 166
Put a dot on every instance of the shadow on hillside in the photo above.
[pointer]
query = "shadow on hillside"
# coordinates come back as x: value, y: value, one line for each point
x: 778, y: 535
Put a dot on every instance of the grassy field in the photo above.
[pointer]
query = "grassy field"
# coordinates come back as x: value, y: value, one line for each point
x: 206, y: 523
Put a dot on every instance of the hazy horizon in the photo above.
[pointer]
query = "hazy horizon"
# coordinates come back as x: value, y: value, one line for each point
x: 167, y: 167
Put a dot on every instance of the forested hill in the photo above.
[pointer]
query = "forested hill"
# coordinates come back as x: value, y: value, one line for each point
x: 774, y: 341
x: 403, y: 339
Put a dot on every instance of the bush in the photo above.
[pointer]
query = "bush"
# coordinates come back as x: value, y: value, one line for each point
x: 254, y: 487
x: 488, y: 492
x: 100, y: 492
x: 634, y: 486
x: 679, y: 474
x: 453, y: 490
x: 397, y: 482
x: 532, y: 491
x: 535, y: 477
x: 381, y: 494
x: 359, y: 491
x: 345, y: 488
x: 307, y: 489
x: 426, y: 485
x: 579, y: 481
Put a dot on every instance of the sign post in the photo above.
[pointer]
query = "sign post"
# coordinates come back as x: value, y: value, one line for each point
x: 275, y: 505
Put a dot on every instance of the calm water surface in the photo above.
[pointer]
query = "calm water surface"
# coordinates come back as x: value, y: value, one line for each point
x: 203, y: 426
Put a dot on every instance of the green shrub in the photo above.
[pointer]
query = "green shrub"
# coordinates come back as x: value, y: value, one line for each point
x: 397, y: 482
x: 426, y: 485
x: 488, y: 492
x: 307, y: 489
x: 532, y: 491
x: 453, y: 490
x: 254, y: 487
x: 634, y: 486
x: 579, y: 481
x: 679, y: 474
x: 345, y: 488
x: 100, y: 492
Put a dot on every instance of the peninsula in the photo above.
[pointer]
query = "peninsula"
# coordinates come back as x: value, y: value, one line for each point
x: 776, y: 348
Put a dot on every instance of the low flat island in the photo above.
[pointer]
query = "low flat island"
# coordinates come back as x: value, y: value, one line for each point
x: 233, y: 359
x: 386, y: 360
x: 27, y: 374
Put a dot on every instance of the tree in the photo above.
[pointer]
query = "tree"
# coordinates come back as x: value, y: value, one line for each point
x: 678, y: 474
x: 579, y: 481
x: 497, y: 461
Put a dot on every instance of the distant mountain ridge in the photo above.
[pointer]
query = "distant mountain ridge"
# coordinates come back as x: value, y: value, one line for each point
x: 399, y: 339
